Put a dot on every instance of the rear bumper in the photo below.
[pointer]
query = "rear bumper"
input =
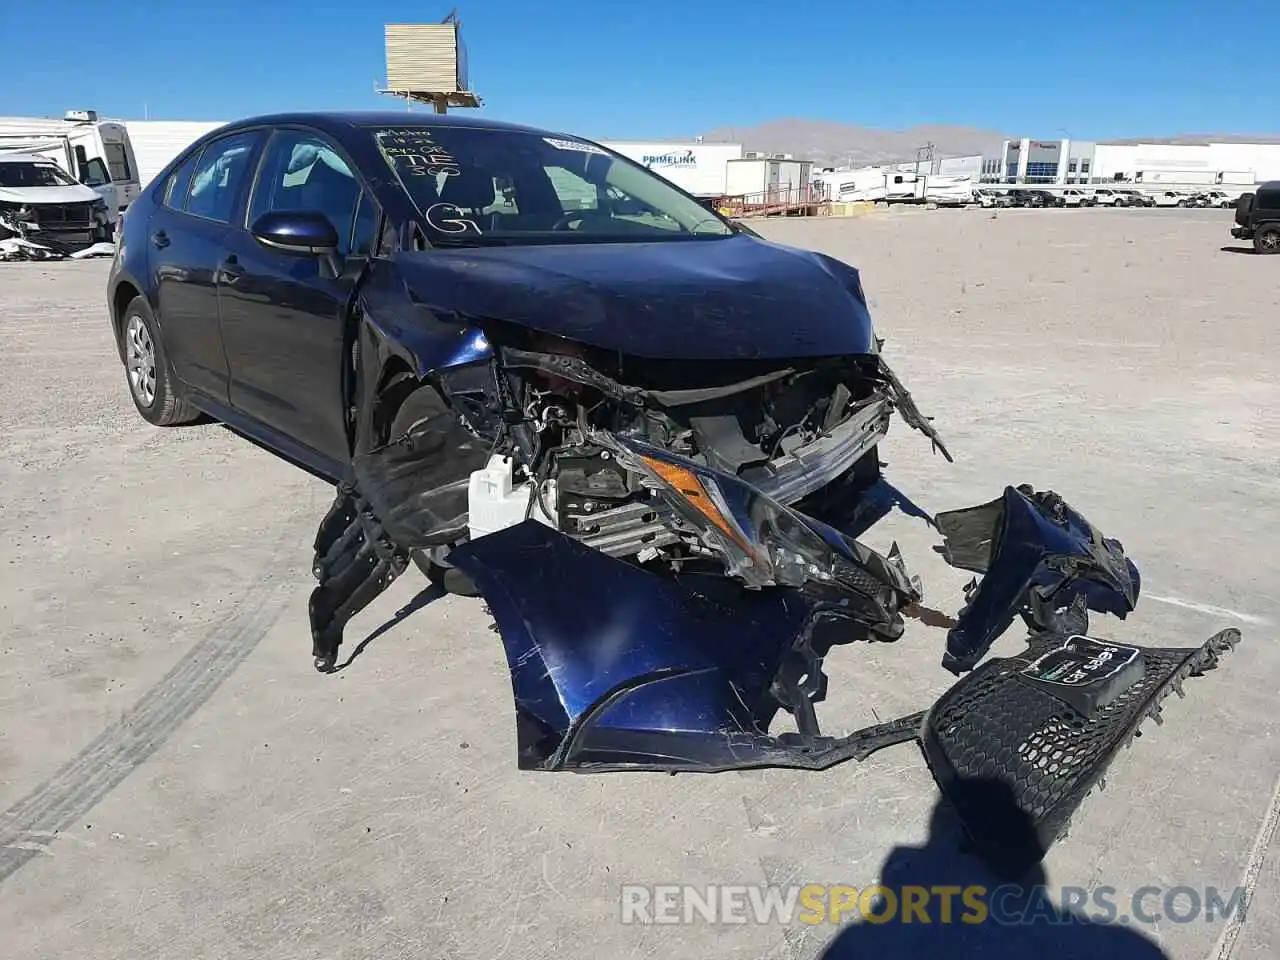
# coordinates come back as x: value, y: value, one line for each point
x: 1242, y: 233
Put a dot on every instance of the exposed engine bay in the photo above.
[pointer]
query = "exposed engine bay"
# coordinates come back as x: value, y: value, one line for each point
x: 576, y: 461
x: 703, y: 517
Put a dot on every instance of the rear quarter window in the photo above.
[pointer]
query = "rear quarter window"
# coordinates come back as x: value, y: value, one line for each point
x: 1268, y: 199
x: 175, y: 193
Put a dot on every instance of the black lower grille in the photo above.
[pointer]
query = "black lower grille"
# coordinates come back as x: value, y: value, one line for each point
x: 64, y: 216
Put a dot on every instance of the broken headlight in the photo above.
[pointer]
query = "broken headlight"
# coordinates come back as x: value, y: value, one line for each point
x: 765, y: 543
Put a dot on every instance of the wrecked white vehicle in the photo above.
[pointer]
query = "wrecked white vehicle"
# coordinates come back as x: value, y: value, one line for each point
x: 47, y: 215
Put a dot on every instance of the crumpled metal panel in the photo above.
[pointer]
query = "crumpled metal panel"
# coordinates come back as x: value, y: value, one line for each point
x: 631, y: 670
x: 1035, y: 552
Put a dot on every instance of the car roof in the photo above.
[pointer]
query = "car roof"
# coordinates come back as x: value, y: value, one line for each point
x: 345, y: 121
x: 25, y: 158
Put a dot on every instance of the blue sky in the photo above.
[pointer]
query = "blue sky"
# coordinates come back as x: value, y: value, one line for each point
x: 615, y: 68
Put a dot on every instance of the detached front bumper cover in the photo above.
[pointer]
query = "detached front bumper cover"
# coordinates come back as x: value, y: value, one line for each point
x: 617, y: 667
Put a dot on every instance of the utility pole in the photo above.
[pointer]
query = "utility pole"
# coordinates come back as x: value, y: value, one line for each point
x: 925, y: 152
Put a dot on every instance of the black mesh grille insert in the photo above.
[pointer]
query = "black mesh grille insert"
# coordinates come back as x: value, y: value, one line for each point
x: 1016, y: 761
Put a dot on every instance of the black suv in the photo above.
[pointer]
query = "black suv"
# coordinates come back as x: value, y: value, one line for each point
x: 1258, y: 218
x: 1035, y: 198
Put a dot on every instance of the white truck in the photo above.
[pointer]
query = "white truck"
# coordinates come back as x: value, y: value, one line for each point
x: 97, y: 153
x: 698, y: 168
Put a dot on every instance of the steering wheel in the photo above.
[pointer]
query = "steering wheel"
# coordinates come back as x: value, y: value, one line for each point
x: 573, y: 216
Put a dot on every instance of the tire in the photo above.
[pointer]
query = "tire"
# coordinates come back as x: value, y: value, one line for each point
x: 1267, y: 240
x: 152, y: 385
x: 447, y: 578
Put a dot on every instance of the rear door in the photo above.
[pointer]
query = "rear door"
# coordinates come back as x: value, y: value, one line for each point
x: 283, y: 323
x: 186, y: 235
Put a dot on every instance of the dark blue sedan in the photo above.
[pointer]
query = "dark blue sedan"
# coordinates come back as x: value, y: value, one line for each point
x: 544, y: 374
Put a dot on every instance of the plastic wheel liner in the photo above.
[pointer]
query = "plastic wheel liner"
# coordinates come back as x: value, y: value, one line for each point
x: 618, y: 666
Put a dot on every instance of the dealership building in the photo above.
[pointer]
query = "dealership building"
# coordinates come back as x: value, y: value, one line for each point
x: 1065, y: 162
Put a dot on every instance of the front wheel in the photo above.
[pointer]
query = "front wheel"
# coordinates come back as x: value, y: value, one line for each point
x: 1267, y: 240
x: 417, y: 406
x: 151, y: 383
x: 449, y: 579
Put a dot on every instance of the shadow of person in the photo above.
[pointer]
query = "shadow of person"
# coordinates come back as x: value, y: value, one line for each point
x: 1003, y: 919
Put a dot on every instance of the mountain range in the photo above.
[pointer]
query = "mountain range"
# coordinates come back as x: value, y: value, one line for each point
x: 831, y: 144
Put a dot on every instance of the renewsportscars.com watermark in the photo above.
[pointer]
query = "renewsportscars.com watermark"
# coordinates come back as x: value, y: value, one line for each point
x: 1006, y: 905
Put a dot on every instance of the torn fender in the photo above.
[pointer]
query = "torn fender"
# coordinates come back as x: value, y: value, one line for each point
x: 1036, y: 555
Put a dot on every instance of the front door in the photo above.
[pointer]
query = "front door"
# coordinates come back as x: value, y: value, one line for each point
x: 285, y: 325
x: 186, y: 234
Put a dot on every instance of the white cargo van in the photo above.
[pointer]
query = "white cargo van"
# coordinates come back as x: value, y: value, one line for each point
x: 95, y: 152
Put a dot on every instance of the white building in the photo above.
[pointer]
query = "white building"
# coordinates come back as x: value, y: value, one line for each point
x: 770, y: 176
x: 1064, y: 162
x: 1188, y: 163
x: 1042, y: 161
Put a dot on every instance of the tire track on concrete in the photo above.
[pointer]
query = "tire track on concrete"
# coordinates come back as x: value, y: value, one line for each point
x: 121, y: 748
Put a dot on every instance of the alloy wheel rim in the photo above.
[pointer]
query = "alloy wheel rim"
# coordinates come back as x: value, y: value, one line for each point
x: 1271, y: 241
x: 141, y: 361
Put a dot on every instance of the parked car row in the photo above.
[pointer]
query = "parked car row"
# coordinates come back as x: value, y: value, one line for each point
x: 1099, y: 197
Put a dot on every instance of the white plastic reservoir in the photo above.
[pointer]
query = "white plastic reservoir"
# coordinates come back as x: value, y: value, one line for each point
x: 494, y: 504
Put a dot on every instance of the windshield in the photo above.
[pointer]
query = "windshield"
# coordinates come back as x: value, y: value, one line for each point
x: 28, y: 174
x: 510, y: 187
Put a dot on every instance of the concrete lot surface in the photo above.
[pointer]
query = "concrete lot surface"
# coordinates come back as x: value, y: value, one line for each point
x: 176, y: 781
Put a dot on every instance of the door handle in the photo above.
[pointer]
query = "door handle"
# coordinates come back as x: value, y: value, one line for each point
x: 160, y: 239
x: 229, y: 270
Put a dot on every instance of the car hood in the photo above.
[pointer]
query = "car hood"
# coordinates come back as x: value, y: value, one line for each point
x: 735, y: 298
x: 37, y: 196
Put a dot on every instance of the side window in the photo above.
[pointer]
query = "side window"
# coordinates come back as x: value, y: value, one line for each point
x: 175, y: 191
x: 364, y: 233
x: 388, y: 239
x: 117, y: 160
x: 1267, y: 200
x: 93, y: 173
x: 222, y: 171
x: 573, y: 191
x: 302, y: 171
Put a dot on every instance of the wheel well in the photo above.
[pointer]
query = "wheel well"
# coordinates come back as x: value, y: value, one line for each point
x: 124, y: 294
x: 396, y: 383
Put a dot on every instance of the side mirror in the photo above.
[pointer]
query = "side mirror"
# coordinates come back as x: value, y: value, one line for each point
x: 302, y: 233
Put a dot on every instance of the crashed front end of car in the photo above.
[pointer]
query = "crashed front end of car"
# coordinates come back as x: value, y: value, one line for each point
x: 35, y: 230
x: 669, y: 550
